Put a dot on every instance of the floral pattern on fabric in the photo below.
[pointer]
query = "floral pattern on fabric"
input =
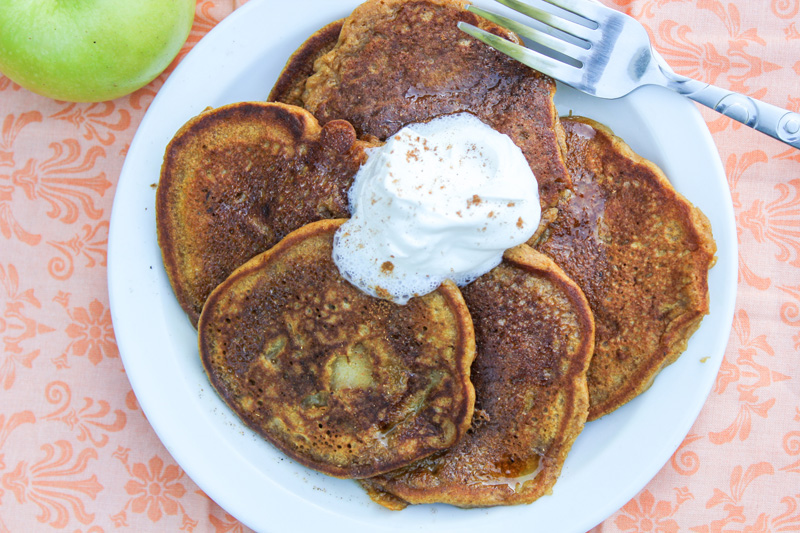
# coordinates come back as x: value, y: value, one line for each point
x: 77, y: 454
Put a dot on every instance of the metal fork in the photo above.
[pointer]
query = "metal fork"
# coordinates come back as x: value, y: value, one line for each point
x: 608, y: 54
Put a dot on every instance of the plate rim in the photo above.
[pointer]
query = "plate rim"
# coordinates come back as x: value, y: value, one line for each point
x: 120, y: 295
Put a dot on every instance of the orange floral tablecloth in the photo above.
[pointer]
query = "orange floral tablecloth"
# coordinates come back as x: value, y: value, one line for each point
x: 76, y: 453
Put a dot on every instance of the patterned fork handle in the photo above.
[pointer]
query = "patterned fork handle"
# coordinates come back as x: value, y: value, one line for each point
x: 614, y: 57
x: 774, y: 121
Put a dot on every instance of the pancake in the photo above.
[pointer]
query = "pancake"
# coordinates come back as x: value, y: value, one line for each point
x: 237, y: 179
x: 291, y: 82
x: 398, y: 62
x: 534, y: 335
x: 344, y: 383
x: 641, y: 254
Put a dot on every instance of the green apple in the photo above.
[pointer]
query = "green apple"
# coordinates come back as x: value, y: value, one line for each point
x: 90, y: 50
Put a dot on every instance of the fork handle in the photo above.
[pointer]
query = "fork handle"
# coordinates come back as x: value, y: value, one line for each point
x: 776, y: 122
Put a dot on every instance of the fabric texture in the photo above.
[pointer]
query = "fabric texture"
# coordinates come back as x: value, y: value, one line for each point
x: 77, y: 454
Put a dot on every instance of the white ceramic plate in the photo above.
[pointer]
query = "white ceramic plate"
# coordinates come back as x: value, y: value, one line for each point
x: 610, y: 462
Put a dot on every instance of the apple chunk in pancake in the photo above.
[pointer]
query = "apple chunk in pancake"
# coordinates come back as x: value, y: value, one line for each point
x: 342, y: 382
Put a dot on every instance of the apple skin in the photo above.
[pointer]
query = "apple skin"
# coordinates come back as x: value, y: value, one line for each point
x: 90, y: 50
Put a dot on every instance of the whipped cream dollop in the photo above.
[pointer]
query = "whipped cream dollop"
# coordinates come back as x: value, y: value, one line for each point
x: 440, y: 200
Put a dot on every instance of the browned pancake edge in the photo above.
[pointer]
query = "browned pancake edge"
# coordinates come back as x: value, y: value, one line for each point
x: 342, y: 382
x: 237, y: 179
x: 640, y: 252
x: 398, y: 62
x: 291, y: 82
x: 534, y: 333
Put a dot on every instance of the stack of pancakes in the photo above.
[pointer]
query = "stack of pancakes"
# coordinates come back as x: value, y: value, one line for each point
x: 468, y: 396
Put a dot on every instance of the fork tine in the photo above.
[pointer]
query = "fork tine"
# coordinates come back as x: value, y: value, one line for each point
x: 546, y: 65
x: 543, y: 37
x: 559, y: 23
x: 583, y: 8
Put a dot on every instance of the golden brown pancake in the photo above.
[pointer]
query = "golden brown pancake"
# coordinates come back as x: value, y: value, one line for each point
x: 344, y: 383
x: 237, y: 179
x: 534, y: 333
x: 639, y: 251
x: 403, y: 61
x: 291, y: 83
